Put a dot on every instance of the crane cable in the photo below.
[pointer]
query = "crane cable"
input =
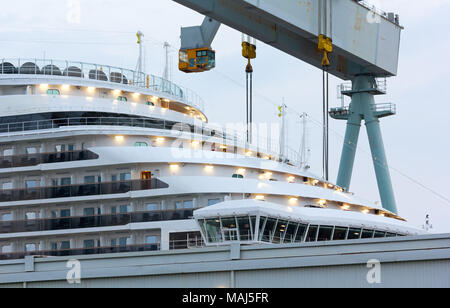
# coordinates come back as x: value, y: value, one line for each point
x: 325, y: 46
x: 249, y: 52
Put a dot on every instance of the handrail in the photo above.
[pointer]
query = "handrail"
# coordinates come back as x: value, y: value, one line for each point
x: 93, y: 221
x: 81, y: 251
x: 78, y: 190
x: 102, y: 73
x: 291, y: 155
x: 27, y: 160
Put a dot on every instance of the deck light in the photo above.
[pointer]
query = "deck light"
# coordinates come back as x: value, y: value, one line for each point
x: 117, y: 92
x: 291, y: 179
x: 366, y: 211
x: 65, y: 87
x: 91, y: 89
x: 322, y: 202
x: 241, y: 171
x: 346, y: 207
x: 259, y: 198
x: 293, y: 200
x: 209, y: 168
x: 174, y: 167
x: 119, y: 139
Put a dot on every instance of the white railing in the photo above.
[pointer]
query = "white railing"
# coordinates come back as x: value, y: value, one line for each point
x: 103, y: 73
x: 266, y: 146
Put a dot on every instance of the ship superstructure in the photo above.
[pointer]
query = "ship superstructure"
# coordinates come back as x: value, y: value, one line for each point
x: 96, y: 159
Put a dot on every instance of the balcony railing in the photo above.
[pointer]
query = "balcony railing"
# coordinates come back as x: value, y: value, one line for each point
x: 28, y: 160
x: 81, y: 251
x: 94, y: 221
x: 196, y: 242
x: 79, y: 190
x: 100, y: 73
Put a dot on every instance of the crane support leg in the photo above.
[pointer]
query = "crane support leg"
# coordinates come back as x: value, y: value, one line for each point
x: 349, y: 152
x: 380, y: 164
x: 363, y: 107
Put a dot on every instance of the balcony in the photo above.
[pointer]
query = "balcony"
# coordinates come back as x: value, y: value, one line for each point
x: 79, y: 190
x: 81, y: 251
x: 95, y: 221
x: 45, y: 158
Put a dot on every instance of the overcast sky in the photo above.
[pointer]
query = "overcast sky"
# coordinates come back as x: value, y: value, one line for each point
x: 416, y: 140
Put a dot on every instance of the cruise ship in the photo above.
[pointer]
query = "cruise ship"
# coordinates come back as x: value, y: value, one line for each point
x: 96, y: 159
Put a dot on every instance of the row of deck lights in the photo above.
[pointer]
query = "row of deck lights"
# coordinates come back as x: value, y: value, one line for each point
x: 153, y: 99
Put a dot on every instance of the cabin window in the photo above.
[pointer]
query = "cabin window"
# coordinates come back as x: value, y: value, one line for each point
x: 152, y: 239
x: 152, y: 207
x: 6, y: 217
x: 53, y: 92
x: 87, y: 244
x: 141, y: 144
x: 125, y: 176
x: 89, y: 211
x: 354, y: 234
x: 126, y: 208
x: 289, y: 236
x: 122, y: 99
x: 238, y: 176
x: 7, y: 185
x: 325, y: 233
x: 30, y: 247
x: 65, y: 213
x: 340, y: 233
x: 214, y: 201
x: 367, y: 234
x: 31, y: 184
x: 188, y: 204
x: 65, y: 245
x: 312, y: 233
x: 151, y: 104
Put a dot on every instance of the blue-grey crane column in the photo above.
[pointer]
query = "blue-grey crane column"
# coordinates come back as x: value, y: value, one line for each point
x: 363, y: 107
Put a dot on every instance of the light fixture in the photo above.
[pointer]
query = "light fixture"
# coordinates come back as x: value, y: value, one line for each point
x: 346, y: 207
x: 291, y: 179
x: 266, y: 158
x: 315, y: 182
x: 241, y: 171
x: 117, y: 92
x: 136, y: 95
x: 209, y: 168
x: 223, y: 147
x: 195, y: 143
x: 293, y: 200
x: 259, y: 198
x: 174, y: 167
x: 266, y: 176
x: 366, y: 211
x: 339, y: 189
x: 322, y: 202
x: 91, y: 89
x: 119, y: 138
x: 160, y: 139
x: 249, y: 153
x: 43, y: 86
x: 65, y: 87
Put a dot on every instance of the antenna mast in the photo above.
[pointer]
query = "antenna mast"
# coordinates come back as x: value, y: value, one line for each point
x: 166, y: 74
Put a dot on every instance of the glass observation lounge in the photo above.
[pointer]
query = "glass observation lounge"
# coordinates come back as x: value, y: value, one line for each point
x: 261, y: 224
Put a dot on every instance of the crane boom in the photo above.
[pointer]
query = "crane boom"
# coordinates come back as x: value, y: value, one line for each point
x: 365, y: 41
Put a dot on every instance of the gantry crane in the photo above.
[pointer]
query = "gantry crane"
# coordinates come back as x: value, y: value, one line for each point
x: 345, y: 38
